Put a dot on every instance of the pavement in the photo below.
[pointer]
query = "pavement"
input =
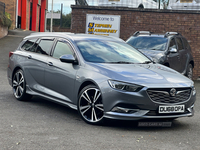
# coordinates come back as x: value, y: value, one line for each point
x: 41, y: 124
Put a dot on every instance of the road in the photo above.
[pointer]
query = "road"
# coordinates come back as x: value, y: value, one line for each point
x: 43, y: 125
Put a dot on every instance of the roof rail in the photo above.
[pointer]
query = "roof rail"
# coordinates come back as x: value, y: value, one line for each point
x: 142, y: 32
x: 171, y: 33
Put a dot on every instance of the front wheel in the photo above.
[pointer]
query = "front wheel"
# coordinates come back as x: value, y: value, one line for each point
x: 90, y: 105
x: 19, y: 86
x: 189, y: 72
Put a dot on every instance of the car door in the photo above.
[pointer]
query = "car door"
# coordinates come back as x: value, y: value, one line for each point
x: 173, y: 58
x: 36, y: 62
x: 59, y: 76
x: 182, y: 55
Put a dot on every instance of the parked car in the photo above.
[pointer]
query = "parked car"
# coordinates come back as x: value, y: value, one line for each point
x: 101, y: 77
x: 170, y: 49
x: 184, y: 4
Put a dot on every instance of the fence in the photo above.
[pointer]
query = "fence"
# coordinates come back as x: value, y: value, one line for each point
x: 2, y: 7
x: 145, y: 4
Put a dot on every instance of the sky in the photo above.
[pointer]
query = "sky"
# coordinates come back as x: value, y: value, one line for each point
x: 57, y: 5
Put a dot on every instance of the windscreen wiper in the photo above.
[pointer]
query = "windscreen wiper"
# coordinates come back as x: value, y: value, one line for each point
x: 147, y: 62
x: 121, y: 62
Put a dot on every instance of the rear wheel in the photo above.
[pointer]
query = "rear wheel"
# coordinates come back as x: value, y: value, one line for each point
x: 19, y: 86
x: 90, y: 105
x: 189, y: 72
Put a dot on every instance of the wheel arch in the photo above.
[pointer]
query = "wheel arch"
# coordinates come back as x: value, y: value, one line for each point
x: 192, y: 63
x: 14, y: 70
x: 86, y: 83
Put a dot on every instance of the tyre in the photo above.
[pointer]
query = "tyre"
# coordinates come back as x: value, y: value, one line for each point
x: 90, y: 105
x: 19, y: 86
x: 189, y: 72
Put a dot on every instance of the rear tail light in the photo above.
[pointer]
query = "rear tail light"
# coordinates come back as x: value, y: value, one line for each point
x: 10, y: 54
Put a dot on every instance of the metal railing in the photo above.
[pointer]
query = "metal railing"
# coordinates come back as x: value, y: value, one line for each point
x: 2, y: 7
x: 145, y: 4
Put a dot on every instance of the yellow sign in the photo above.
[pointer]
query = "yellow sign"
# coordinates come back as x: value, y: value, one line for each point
x: 98, y: 24
x: 186, y: 1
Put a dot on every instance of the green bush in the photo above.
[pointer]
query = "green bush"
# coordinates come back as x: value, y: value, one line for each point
x: 5, y: 19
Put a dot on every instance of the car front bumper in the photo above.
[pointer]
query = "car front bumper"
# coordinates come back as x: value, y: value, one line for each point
x: 138, y: 105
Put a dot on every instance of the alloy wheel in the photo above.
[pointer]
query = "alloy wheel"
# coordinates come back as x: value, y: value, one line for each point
x: 18, y: 84
x: 90, y: 105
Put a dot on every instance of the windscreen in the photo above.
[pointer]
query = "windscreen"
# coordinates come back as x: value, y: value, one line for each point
x: 109, y: 52
x: 149, y: 43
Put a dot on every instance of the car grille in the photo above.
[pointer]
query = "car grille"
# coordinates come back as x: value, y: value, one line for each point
x: 164, y: 96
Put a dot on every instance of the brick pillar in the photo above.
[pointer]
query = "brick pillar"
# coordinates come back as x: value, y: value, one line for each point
x: 42, y: 17
x: 34, y: 14
x: 23, y: 15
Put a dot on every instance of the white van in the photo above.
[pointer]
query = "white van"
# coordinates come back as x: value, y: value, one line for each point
x: 184, y: 4
x: 150, y: 4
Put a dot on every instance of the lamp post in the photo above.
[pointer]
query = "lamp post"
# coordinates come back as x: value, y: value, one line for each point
x: 51, y: 17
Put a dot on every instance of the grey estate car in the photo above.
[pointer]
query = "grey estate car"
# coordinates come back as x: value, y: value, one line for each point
x: 101, y: 77
x: 170, y: 49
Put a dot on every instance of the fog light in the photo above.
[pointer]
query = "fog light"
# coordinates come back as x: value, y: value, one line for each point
x: 124, y: 110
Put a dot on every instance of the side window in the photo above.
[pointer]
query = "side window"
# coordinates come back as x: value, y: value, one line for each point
x: 44, y: 46
x: 34, y: 47
x: 187, y: 46
x: 172, y: 44
x: 179, y: 43
x: 28, y: 44
x: 61, y: 48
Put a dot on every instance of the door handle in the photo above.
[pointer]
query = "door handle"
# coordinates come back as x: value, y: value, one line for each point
x: 29, y: 57
x: 50, y: 64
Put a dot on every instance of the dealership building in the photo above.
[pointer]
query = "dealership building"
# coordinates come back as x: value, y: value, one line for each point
x: 27, y: 14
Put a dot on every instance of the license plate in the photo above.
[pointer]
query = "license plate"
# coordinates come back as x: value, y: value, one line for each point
x: 172, y: 109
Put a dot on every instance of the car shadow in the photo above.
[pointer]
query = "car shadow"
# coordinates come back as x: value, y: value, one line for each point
x: 62, y: 111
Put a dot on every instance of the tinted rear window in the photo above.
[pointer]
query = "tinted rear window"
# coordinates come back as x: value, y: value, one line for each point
x: 28, y: 44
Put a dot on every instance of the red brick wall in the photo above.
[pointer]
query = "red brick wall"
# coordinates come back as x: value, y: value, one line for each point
x: 161, y: 21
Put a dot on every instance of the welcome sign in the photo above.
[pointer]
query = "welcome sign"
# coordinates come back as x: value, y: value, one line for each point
x: 107, y: 25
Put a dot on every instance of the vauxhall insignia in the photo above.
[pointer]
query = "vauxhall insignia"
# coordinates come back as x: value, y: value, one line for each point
x: 173, y: 92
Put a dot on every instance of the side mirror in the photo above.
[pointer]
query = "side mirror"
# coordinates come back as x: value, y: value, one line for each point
x: 68, y: 59
x: 173, y: 50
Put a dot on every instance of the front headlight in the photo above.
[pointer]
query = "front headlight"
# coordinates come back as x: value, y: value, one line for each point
x: 193, y: 89
x: 124, y: 86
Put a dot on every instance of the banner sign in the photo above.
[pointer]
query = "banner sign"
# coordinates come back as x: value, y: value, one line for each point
x: 108, y: 25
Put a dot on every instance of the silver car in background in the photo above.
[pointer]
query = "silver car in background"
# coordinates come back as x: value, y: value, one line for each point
x: 101, y: 77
